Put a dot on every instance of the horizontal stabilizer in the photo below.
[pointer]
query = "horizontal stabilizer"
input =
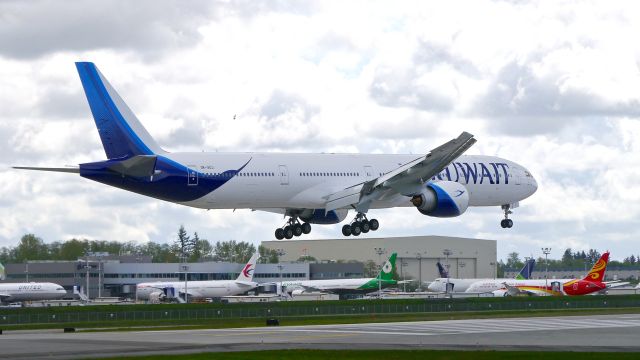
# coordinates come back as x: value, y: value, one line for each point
x: 136, y: 166
x: 75, y: 170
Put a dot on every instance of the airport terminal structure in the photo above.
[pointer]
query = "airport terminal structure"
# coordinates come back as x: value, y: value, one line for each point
x: 117, y: 275
x: 417, y: 255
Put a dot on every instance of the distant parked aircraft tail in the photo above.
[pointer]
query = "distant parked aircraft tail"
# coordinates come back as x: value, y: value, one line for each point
x: 246, y: 275
x: 598, y: 270
x: 388, y: 269
x: 526, y: 271
x: 441, y: 270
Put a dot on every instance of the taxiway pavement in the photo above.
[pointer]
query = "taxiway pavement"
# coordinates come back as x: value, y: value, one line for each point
x: 573, y: 333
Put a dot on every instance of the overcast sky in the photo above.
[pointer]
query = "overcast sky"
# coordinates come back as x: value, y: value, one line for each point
x: 552, y: 85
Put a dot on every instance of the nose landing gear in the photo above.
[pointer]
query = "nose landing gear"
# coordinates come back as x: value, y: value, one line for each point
x: 506, y: 223
x: 292, y: 228
x: 359, y: 225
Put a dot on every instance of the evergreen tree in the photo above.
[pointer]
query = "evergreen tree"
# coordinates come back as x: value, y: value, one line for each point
x: 183, y: 243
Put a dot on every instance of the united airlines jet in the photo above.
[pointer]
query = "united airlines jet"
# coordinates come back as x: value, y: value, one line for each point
x: 305, y: 188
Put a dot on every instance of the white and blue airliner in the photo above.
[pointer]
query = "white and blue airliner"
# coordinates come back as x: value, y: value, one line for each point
x: 305, y: 188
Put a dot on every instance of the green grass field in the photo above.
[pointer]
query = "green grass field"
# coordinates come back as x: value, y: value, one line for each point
x: 393, y: 355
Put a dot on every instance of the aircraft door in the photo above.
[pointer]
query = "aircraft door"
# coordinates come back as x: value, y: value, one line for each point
x: 556, y: 287
x: 368, y: 172
x: 284, y: 174
x: 192, y: 176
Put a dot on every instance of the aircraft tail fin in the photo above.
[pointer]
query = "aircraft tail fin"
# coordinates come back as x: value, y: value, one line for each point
x: 526, y: 271
x: 3, y: 275
x: 120, y: 131
x: 388, y: 269
x: 441, y: 270
x: 598, y: 270
x: 246, y: 275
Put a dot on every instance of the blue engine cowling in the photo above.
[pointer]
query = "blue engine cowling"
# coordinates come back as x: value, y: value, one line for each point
x: 318, y: 216
x: 442, y: 199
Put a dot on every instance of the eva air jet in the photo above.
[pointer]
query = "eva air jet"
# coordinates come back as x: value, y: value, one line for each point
x: 305, y: 188
x: 340, y: 286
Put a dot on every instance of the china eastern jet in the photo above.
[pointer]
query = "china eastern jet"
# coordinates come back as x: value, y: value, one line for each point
x: 305, y: 188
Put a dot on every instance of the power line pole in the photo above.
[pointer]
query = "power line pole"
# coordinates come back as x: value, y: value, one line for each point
x: 280, y: 253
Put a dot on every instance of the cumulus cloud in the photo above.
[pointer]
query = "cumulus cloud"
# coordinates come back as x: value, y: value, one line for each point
x: 538, y: 84
x: 36, y: 28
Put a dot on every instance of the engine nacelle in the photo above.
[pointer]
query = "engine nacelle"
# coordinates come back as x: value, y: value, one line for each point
x: 442, y: 199
x: 318, y: 216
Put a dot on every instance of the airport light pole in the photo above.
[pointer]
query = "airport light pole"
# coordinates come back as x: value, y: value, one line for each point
x: 419, y: 258
x: 185, y: 268
x: 380, y: 251
x: 280, y: 253
x: 546, y: 251
x: 26, y: 270
x: 447, y: 253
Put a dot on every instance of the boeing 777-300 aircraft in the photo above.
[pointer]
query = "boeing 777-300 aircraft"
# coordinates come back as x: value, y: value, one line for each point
x: 306, y: 188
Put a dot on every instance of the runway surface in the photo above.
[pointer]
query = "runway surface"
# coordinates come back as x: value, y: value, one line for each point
x: 574, y: 333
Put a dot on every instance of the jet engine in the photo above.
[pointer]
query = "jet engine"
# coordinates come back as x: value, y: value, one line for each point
x: 442, y: 199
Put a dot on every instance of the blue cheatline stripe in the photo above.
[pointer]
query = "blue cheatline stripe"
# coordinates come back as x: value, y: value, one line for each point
x: 446, y: 207
x: 101, y: 102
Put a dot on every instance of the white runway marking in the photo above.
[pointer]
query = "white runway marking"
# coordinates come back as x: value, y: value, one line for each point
x: 454, y: 327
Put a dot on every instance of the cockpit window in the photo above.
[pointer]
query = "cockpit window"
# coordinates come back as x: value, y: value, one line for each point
x: 527, y: 174
x: 60, y: 288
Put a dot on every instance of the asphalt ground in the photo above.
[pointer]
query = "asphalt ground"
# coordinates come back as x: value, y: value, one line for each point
x: 619, y: 332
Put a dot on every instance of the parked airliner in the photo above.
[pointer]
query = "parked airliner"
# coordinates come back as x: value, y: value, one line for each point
x: 201, y: 289
x: 30, y: 291
x: 306, y: 188
x: 591, y: 283
x: 466, y: 285
x: 339, y: 286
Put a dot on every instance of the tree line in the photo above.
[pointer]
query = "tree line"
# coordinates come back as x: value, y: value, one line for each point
x: 191, y: 248
x: 571, y: 260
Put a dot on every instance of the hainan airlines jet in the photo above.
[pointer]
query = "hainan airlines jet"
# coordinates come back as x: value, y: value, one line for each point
x: 31, y: 291
x: 202, y: 289
x: 338, y: 286
x: 592, y: 282
x: 306, y: 188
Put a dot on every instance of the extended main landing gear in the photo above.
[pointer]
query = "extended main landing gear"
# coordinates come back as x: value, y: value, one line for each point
x: 360, y: 225
x: 292, y: 228
x: 506, y: 223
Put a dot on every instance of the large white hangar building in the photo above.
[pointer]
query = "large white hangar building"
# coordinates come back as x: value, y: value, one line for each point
x: 417, y: 255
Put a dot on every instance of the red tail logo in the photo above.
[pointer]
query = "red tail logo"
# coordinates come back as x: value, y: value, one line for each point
x: 597, y: 271
x: 247, y: 271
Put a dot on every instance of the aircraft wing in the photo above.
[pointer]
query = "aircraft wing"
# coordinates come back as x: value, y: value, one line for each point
x: 516, y: 291
x: 614, y: 284
x: 407, y: 179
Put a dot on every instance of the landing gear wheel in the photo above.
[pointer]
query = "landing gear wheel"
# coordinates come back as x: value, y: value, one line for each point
x: 346, y: 230
x: 306, y: 228
x: 374, y: 224
x: 506, y: 223
x: 355, y: 229
x: 279, y: 234
x: 297, y: 229
x: 288, y: 232
x: 364, y: 226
